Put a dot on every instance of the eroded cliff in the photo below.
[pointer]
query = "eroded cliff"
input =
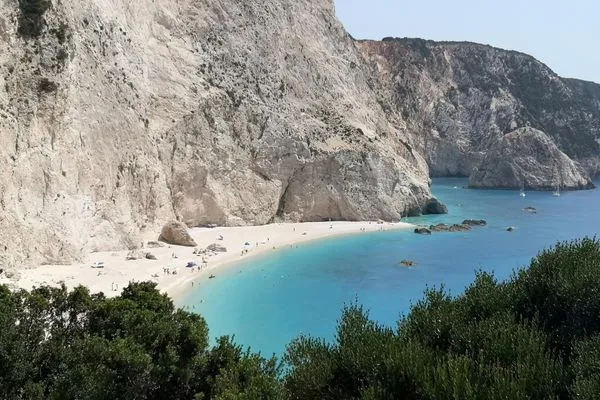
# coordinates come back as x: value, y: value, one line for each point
x: 117, y: 116
x: 459, y: 99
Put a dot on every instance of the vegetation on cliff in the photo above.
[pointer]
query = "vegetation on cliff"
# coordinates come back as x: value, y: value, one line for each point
x: 536, y: 335
x: 31, y: 17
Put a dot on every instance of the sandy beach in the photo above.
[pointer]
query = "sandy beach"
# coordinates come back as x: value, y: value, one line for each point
x: 169, y: 270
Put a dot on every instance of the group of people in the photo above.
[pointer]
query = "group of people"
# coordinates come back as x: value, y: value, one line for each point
x: 167, y: 271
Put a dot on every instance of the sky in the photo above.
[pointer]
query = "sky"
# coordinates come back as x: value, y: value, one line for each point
x: 565, y: 35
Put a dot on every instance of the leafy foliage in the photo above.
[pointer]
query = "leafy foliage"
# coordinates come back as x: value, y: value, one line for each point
x: 60, y: 345
x: 535, y: 336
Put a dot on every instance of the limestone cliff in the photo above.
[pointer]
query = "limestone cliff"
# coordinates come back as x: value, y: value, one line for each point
x: 117, y: 116
x: 528, y: 158
x: 459, y: 99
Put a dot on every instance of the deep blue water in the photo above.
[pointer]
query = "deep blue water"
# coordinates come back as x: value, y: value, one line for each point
x: 269, y: 300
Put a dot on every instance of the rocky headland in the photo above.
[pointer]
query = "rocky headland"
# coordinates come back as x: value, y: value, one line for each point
x: 457, y: 100
x: 528, y: 158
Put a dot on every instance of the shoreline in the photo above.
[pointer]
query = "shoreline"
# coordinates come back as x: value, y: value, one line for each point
x: 118, y: 272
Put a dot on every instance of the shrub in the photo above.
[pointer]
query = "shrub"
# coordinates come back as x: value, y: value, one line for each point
x: 31, y: 17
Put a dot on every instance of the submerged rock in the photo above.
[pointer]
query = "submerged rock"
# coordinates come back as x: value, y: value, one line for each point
x: 176, y: 233
x: 422, y: 231
x: 475, y: 222
x: 460, y: 228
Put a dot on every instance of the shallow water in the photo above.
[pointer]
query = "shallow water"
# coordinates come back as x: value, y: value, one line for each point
x: 268, y: 300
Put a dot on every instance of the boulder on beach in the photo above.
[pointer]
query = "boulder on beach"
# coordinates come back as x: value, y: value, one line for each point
x: 176, y: 233
x: 475, y: 222
x: 134, y: 255
x: 217, y: 248
x: 150, y: 256
x: 434, y: 206
x: 422, y: 231
x: 155, y: 245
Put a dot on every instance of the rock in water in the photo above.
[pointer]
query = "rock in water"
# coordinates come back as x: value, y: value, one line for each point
x: 422, y: 231
x: 434, y: 206
x: 528, y: 157
x: 450, y: 228
x: 217, y: 248
x: 176, y: 233
x: 475, y: 222
x: 460, y: 228
x: 439, y: 228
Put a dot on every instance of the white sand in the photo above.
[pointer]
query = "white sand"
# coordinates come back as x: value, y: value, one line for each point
x: 118, y: 272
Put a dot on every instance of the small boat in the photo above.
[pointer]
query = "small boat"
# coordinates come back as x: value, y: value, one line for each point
x: 212, y: 277
x: 556, y: 192
x: 522, y: 192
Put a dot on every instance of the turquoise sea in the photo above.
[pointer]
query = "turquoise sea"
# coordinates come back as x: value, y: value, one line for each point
x: 269, y: 300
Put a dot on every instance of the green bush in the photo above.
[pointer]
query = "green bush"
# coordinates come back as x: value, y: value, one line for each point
x: 31, y: 17
x: 60, y: 345
x: 508, y: 340
x: 536, y: 336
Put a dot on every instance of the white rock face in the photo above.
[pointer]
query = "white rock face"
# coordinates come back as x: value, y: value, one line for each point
x: 119, y: 116
x: 528, y: 157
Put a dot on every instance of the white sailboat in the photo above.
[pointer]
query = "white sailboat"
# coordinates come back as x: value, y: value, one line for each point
x: 556, y: 192
x: 522, y: 192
